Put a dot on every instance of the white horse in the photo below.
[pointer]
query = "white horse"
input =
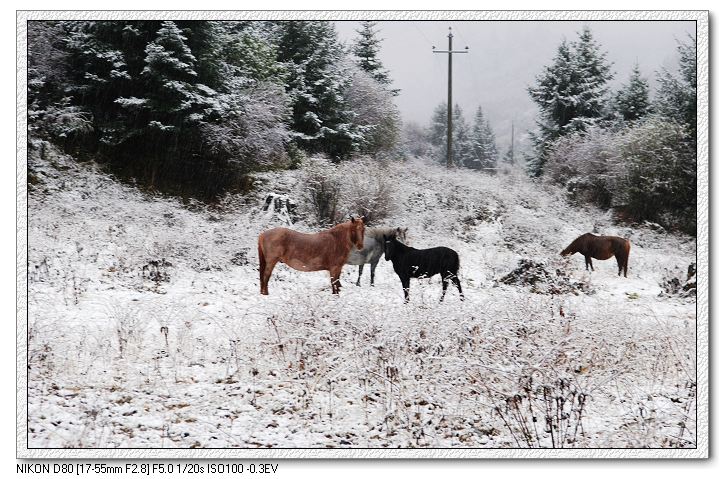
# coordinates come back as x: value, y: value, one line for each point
x: 373, y: 247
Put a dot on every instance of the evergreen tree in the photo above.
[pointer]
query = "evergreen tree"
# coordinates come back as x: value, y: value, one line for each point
x: 177, y: 98
x: 485, y: 153
x: 366, y: 50
x: 632, y: 101
x: 438, y: 129
x: 592, y: 73
x: 321, y: 120
x: 463, y: 153
x: 170, y: 77
x: 571, y: 94
x: 676, y: 96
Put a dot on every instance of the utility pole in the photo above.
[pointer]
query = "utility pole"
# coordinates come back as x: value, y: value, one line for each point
x: 450, y: 53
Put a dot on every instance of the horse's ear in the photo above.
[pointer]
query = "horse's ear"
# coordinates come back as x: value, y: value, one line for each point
x: 362, y: 218
x: 352, y: 219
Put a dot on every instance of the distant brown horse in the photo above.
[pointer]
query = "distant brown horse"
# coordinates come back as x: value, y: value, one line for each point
x: 326, y: 250
x: 600, y: 247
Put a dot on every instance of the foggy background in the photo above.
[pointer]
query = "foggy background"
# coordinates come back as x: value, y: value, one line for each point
x: 503, y: 60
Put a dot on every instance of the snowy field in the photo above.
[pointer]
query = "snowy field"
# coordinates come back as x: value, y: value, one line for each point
x: 147, y: 329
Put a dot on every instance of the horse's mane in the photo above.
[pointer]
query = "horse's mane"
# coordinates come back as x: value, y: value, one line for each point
x: 378, y: 233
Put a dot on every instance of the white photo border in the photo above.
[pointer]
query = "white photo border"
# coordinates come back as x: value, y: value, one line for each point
x: 703, y: 331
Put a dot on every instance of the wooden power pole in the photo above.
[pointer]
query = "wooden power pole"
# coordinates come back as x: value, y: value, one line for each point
x: 450, y: 52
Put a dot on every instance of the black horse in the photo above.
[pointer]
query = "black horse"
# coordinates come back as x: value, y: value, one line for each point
x: 422, y: 263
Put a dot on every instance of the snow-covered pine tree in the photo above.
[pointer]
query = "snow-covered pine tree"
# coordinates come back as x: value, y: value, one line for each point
x: 485, y: 153
x: 366, y: 49
x: 463, y: 153
x: 632, y: 101
x: 676, y: 95
x: 592, y: 74
x: 571, y: 94
x: 438, y: 130
x: 173, y: 96
x: 552, y: 93
x: 313, y: 56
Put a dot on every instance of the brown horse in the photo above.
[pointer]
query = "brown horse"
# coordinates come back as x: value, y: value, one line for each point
x: 326, y: 250
x: 600, y: 247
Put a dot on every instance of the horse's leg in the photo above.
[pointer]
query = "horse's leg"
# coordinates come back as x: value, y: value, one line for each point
x: 457, y: 282
x: 406, y: 288
x: 373, y: 265
x: 622, y: 263
x: 335, y: 279
x: 264, y: 277
x: 620, y: 266
x: 588, y: 261
x: 360, y: 272
x: 266, y: 265
x: 445, y: 286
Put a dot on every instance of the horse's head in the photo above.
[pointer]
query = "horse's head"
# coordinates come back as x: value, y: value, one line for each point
x: 402, y: 235
x: 387, y: 246
x: 357, y: 232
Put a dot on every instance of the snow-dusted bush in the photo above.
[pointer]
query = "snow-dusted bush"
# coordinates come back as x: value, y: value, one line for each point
x: 661, y: 181
x: 415, y: 140
x: 376, y: 117
x: 322, y: 191
x: 250, y: 128
x: 359, y: 187
x: 589, y: 165
x: 368, y: 189
x: 646, y: 171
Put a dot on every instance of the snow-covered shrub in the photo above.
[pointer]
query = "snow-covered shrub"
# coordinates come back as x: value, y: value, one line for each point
x: 322, y: 191
x: 60, y: 121
x: 560, y: 405
x: 376, y: 117
x: 661, y: 176
x: 368, y: 190
x: 646, y: 171
x: 589, y: 165
x: 415, y: 140
x: 360, y: 187
x: 250, y: 127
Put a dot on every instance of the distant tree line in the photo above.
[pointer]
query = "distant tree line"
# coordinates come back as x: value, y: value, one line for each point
x: 624, y: 150
x: 473, y: 146
x: 191, y: 107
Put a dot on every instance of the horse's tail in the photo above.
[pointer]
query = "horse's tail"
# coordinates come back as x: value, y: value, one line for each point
x: 456, y: 264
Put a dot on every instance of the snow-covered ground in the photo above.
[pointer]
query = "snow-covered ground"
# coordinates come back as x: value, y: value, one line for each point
x: 147, y: 329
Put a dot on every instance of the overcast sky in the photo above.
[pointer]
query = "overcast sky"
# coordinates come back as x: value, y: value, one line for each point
x: 504, y: 58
